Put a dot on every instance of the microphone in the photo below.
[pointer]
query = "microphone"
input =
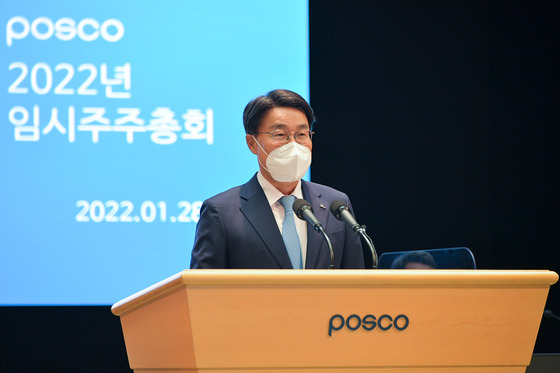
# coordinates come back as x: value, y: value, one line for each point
x: 341, y: 211
x: 303, y: 210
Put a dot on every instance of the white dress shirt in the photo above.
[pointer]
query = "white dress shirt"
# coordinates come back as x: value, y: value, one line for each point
x: 273, y: 196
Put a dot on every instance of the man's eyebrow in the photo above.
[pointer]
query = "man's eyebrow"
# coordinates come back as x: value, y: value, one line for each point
x: 283, y: 125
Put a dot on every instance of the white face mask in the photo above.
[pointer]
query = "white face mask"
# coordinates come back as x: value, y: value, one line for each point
x: 287, y: 163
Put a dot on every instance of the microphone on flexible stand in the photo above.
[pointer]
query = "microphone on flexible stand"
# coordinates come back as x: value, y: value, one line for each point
x: 303, y: 210
x: 341, y: 211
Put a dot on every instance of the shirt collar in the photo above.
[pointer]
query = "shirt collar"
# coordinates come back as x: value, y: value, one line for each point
x: 272, y: 194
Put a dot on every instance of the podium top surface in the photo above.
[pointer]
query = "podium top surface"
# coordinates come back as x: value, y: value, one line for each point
x: 409, y: 278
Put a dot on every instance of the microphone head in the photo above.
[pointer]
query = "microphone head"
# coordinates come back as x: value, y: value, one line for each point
x: 336, y: 207
x: 299, y: 206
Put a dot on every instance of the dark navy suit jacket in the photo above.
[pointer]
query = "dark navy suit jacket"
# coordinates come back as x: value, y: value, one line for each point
x: 237, y: 230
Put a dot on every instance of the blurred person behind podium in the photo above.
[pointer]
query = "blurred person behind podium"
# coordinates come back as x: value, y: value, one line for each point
x: 414, y: 260
x: 242, y: 227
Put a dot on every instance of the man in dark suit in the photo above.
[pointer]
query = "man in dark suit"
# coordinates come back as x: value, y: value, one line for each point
x: 252, y: 225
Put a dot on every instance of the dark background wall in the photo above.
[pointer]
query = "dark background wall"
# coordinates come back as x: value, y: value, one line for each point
x: 441, y: 121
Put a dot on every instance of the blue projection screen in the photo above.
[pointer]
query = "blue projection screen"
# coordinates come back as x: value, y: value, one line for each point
x: 118, y: 119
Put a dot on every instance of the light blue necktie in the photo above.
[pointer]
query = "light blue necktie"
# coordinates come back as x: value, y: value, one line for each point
x: 289, y: 232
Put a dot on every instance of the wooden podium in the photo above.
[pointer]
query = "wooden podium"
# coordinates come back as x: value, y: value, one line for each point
x: 311, y: 321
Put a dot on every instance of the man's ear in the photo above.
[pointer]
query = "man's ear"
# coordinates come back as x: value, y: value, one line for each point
x: 251, y: 143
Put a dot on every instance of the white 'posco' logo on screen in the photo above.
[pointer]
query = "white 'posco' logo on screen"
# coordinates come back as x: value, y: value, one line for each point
x: 43, y: 28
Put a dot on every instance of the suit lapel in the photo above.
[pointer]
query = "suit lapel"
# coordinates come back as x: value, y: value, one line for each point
x: 254, y: 206
x: 315, y: 241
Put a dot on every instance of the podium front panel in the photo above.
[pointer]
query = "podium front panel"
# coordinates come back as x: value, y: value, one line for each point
x: 337, y: 321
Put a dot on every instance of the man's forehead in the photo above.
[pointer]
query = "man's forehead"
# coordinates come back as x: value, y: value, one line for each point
x: 283, y: 118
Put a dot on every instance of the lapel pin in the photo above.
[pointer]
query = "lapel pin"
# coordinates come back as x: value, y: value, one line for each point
x: 323, y: 206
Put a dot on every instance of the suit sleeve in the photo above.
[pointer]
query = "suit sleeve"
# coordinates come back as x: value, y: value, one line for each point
x: 209, y: 249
